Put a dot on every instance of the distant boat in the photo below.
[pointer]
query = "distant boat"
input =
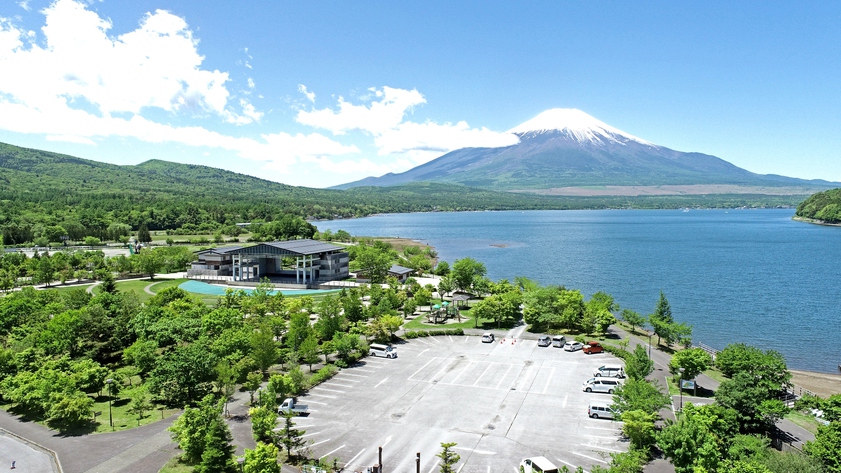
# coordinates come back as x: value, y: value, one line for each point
x: 686, y: 210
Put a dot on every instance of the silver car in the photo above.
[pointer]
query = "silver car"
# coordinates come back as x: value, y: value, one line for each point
x: 601, y: 385
x: 572, y: 345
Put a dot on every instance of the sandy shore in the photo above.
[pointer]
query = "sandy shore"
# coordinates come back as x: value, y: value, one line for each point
x: 822, y: 384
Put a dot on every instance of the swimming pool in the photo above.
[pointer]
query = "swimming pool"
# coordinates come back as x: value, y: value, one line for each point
x: 199, y: 287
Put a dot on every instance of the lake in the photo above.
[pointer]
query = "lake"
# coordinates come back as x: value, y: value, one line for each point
x: 752, y: 276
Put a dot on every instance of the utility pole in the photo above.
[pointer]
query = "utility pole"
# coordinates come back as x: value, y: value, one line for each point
x: 417, y: 463
x: 381, y: 459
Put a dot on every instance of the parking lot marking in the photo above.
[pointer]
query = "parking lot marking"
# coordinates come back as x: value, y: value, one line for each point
x: 364, y: 370
x: 381, y: 382
x: 451, y: 338
x: 569, y: 464
x: 589, y: 457
x: 467, y: 339
x: 442, y: 370
x: 331, y: 452
x: 351, y: 374
x: 342, y: 385
x: 564, y: 405
x: 316, y: 402
x: 434, y: 466
x: 603, y: 448
x: 307, y: 435
x: 424, y: 351
x: 503, y: 376
x: 599, y: 437
x: 548, y: 380
x: 354, y: 457
x: 603, y: 428
x: 328, y: 389
x: 422, y: 367
x: 321, y: 395
x: 422, y: 341
x: 318, y: 443
x: 462, y: 372
x: 479, y: 378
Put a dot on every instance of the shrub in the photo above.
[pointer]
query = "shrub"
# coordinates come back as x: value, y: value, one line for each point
x: 321, y: 376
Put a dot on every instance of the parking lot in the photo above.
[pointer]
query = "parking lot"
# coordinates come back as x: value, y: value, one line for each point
x: 501, y: 402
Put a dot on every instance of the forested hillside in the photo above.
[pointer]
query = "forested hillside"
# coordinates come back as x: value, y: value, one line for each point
x: 824, y: 206
x: 48, y: 195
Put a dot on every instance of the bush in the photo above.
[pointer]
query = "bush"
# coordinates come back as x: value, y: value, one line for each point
x: 321, y: 376
x: 432, y: 333
x: 617, y: 352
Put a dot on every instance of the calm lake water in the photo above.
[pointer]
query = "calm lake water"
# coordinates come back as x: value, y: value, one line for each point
x: 752, y: 276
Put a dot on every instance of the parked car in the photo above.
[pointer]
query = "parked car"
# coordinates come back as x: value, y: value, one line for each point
x: 487, y: 338
x: 289, y: 405
x: 558, y: 341
x: 599, y: 385
x: 572, y: 345
x: 537, y: 465
x: 593, y: 347
x: 544, y: 341
x: 610, y: 371
x: 600, y: 411
x: 387, y: 351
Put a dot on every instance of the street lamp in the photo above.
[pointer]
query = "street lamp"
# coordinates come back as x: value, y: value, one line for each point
x: 680, y: 387
x: 109, y: 382
x: 240, y: 461
x: 649, y: 345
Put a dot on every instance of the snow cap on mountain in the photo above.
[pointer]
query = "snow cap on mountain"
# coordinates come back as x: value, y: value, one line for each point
x: 576, y: 125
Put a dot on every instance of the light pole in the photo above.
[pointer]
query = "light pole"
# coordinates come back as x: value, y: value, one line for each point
x: 109, y: 382
x: 680, y: 387
x: 240, y: 461
x: 649, y: 345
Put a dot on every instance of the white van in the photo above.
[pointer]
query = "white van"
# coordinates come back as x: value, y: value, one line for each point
x: 537, y: 465
x: 610, y: 371
x: 600, y: 411
x: 600, y: 385
x: 378, y: 349
x: 558, y: 341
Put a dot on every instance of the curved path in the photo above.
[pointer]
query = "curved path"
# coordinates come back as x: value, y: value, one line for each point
x: 148, y: 289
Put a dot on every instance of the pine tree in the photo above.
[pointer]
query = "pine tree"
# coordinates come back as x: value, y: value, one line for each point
x: 448, y: 457
x: 143, y: 235
x: 289, y: 436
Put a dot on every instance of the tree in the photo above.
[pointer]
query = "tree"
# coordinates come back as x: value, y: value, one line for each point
x: 263, y: 459
x: 218, y: 455
x: 661, y: 320
x: 699, y: 438
x: 252, y: 384
x: 754, y: 401
x: 308, y: 351
x: 226, y: 379
x: 264, y: 350
x: 826, y: 448
x: 70, y: 408
x: 632, y: 318
x: 139, y: 404
x: 448, y: 457
x: 299, y: 330
x: 148, y: 261
x: 290, y: 437
x: 330, y: 318
x: 638, y: 365
x: 639, y: 394
x: 638, y: 426
x: 465, y: 271
x: 183, y: 375
x: 372, y: 262
x: 409, y: 307
x: 694, y: 361
x: 769, y: 366
x: 263, y: 421
x: 779, y: 462
x: 190, y: 429
x: 142, y: 354
x: 46, y: 272
x: 143, y: 235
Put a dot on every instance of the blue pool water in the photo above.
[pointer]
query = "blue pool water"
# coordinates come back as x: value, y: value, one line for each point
x: 199, y: 287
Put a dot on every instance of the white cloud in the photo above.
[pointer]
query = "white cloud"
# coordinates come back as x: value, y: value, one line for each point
x: 377, y: 118
x: 310, y: 95
x: 156, y: 65
x: 25, y: 5
x: 439, y: 138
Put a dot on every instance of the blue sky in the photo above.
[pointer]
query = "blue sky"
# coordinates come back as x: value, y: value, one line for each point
x: 321, y: 93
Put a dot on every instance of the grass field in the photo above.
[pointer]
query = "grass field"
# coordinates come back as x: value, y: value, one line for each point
x: 119, y: 411
x: 176, y: 466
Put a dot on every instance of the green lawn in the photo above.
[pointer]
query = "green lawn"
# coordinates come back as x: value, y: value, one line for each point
x: 176, y: 466
x: 806, y: 421
x: 61, y: 289
x: 137, y: 286
x: 119, y: 410
x: 716, y: 375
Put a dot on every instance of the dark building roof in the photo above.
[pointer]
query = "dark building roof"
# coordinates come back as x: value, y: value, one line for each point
x: 289, y: 247
x: 221, y: 251
x: 399, y: 269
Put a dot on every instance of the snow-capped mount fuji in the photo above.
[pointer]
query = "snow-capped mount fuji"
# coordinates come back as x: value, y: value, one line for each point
x: 575, y: 125
x: 562, y: 148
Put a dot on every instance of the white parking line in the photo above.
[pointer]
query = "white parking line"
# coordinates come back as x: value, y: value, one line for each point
x: 381, y: 382
x: 451, y: 338
x: 548, y: 380
x: 307, y: 435
x: 422, y: 341
x: 434, y: 466
x: 422, y: 367
x: 467, y: 339
x: 569, y: 464
x: 479, y: 378
x: 464, y: 371
x: 589, y: 457
x: 351, y: 374
x: 434, y: 339
x: 331, y: 452
x: 328, y: 389
x: 564, y: 406
x: 354, y: 458
x: 424, y: 351
x: 503, y: 376
x: 603, y: 428
x: 310, y: 401
x: 318, y: 443
x: 599, y: 437
x: 321, y: 395
x: 604, y: 448
x: 364, y: 370
x: 342, y: 385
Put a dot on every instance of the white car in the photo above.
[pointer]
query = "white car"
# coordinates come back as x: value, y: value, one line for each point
x: 572, y: 345
x: 487, y: 338
x: 537, y: 465
x: 601, y: 385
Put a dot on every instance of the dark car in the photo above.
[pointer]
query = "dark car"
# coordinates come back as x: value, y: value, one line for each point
x: 593, y: 347
x: 544, y: 341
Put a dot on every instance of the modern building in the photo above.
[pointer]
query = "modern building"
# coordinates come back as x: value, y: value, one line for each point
x: 298, y: 262
x: 400, y: 272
